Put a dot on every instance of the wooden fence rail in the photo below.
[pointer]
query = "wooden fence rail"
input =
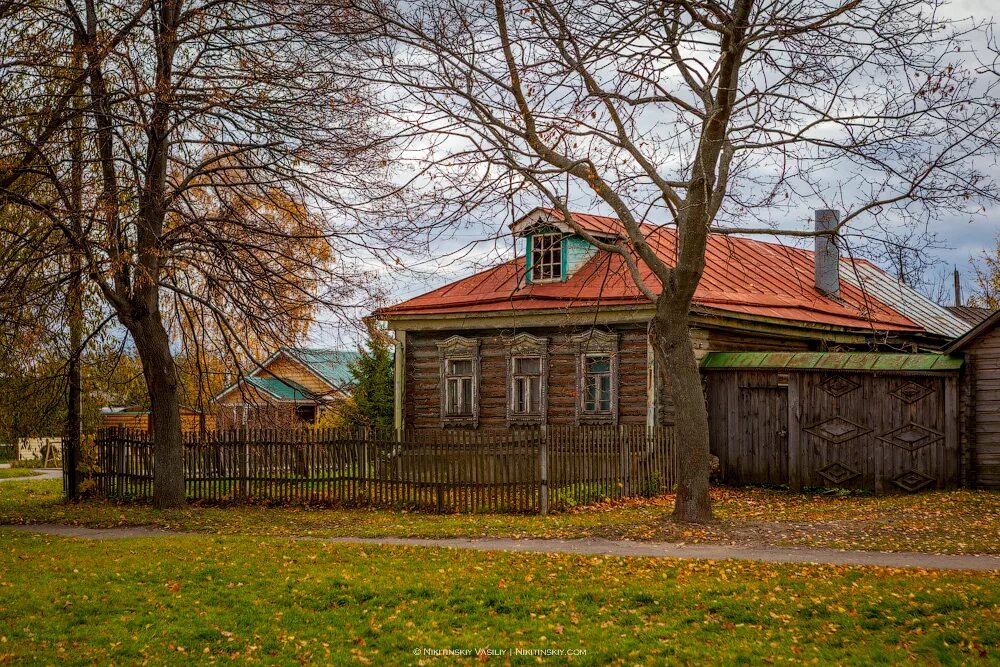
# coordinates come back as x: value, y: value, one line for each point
x: 518, y: 470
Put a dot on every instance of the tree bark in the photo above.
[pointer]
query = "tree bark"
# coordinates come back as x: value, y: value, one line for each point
x: 677, y: 367
x: 153, y: 345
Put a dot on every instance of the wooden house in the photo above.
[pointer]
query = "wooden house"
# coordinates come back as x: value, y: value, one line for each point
x: 981, y: 401
x: 559, y: 335
x: 290, y: 388
x: 136, y: 417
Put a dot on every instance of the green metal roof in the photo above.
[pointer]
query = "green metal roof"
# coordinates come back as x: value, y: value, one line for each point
x: 839, y: 361
x: 331, y: 365
x: 283, y: 389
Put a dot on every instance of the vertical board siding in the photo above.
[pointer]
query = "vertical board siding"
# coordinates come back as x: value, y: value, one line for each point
x: 517, y: 470
x: 983, y: 380
x: 834, y: 438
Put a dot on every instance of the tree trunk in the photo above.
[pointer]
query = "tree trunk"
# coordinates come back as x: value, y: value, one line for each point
x: 676, y: 365
x: 160, y: 373
x: 74, y: 406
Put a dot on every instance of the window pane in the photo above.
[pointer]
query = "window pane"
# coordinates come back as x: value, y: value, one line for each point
x: 535, y: 394
x: 527, y: 366
x: 452, y: 397
x: 600, y: 364
x: 520, y: 395
x: 467, y: 396
x: 460, y: 367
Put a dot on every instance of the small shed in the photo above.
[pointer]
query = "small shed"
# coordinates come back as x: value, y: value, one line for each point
x: 859, y: 420
x: 137, y: 417
x: 981, y: 404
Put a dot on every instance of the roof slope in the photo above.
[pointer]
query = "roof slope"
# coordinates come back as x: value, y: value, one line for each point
x: 986, y: 325
x: 743, y: 276
x: 334, y: 366
x: 971, y: 314
x: 839, y: 361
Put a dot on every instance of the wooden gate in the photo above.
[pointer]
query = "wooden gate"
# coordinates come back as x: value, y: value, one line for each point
x: 764, y: 421
x: 850, y: 420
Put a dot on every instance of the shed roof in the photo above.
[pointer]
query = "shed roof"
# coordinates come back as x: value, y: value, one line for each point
x: 742, y: 276
x: 284, y: 389
x: 988, y: 324
x: 839, y: 361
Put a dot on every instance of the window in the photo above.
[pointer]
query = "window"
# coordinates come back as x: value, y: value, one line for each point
x: 597, y: 384
x: 546, y: 257
x: 597, y: 377
x: 306, y: 413
x: 526, y: 391
x: 527, y: 370
x: 459, y: 380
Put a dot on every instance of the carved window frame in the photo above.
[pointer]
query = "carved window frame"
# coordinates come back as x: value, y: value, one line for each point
x: 524, y: 345
x: 459, y: 348
x: 588, y: 344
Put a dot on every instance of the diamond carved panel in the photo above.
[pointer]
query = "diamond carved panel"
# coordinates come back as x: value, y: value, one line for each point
x: 912, y: 480
x: 837, y: 429
x: 911, y: 392
x: 911, y: 436
x: 837, y: 473
x: 838, y: 385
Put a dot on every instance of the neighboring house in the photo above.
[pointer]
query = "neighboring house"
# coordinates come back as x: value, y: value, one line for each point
x: 291, y: 387
x: 559, y: 335
x: 137, y: 417
x: 981, y: 402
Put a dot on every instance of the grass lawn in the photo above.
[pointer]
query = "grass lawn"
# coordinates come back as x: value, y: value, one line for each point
x: 937, y: 522
x: 7, y: 473
x: 208, y: 598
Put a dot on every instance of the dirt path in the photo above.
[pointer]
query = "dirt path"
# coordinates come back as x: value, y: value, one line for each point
x: 600, y: 547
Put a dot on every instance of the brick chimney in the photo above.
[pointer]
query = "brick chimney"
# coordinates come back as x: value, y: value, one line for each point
x: 827, y: 261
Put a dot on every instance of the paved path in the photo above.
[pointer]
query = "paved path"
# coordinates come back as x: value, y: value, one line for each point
x: 46, y: 473
x: 599, y: 547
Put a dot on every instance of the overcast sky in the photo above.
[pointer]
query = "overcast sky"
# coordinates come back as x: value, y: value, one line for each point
x: 961, y: 238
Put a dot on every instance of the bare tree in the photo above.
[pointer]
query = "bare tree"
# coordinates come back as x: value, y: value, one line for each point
x: 227, y: 158
x: 705, y: 115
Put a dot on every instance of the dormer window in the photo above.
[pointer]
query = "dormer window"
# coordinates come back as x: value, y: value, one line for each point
x: 546, y: 257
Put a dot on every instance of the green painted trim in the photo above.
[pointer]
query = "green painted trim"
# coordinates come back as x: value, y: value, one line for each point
x: 563, y: 259
x: 527, y: 258
x: 834, y: 361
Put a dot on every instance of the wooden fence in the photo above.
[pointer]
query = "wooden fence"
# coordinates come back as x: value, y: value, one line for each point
x: 518, y: 470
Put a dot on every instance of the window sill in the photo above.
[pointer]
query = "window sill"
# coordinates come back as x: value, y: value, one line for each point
x: 591, y: 419
x: 459, y: 421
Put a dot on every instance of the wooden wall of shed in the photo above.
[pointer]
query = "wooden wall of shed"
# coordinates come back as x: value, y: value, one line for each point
x: 190, y: 421
x: 870, y: 404
x: 423, y: 376
x: 982, y: 408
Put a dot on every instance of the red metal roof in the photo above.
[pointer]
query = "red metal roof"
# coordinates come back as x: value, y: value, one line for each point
x: 742, y: 276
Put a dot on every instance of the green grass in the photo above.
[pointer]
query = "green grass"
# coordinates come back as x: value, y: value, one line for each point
x: 178, y: 600
x: 939, y: 522
x: 8, y: 473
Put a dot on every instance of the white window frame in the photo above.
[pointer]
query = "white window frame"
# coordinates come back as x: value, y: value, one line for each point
x: 453, y: 349
x: 541, y: 271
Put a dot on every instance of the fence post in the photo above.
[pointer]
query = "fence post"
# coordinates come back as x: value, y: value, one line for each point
x: 543, y: 465
x: 244, y: 471
x: 626, y: 466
